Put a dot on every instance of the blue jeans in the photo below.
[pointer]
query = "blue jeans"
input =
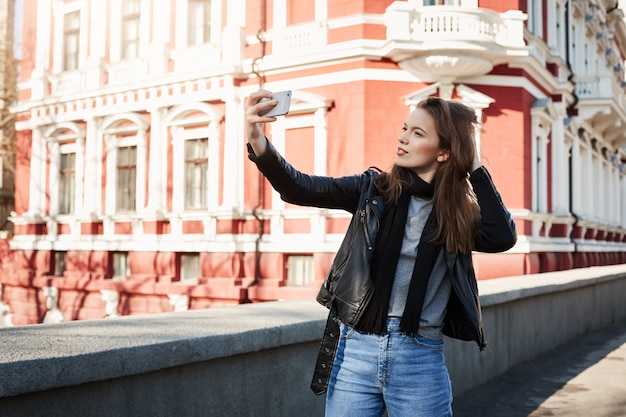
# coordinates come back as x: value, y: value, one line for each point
x: 405, y: 375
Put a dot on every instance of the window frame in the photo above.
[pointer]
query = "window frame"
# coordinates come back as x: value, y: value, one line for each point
x: 119, y: 275
x: 189, y: 276
x: 120, y: 133
x: 300, y: 262
x: 126, y: 172
x: 204, y: 124
x: 126, y: 17
x: 61, y: 139
x: 197, y: 161
x: 58, y: 64
x: 59, y: 263
x: 181, y: 31
x: 67, y: 176
x: 74, y: 34
x: 116, y: 38
x: 192, y: 18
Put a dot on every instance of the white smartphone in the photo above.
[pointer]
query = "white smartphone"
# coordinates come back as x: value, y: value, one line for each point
x: 281, y: 108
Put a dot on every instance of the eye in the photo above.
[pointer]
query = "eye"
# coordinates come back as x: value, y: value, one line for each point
x: 404, y: 129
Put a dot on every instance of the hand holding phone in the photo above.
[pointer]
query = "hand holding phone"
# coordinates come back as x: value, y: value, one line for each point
x: 281, y: 108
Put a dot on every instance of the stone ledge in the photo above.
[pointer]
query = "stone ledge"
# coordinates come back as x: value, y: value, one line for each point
x: 503, y: 290
x: 40, y: 357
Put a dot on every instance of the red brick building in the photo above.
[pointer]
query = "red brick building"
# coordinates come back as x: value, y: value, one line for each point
x: 133, y: 190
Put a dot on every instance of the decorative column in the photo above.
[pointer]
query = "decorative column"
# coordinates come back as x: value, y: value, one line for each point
x: 577, y: 191
x: 622, y: 186
x: 560, y: 172
x: 91, y: 184
x: 37, y: 185
x: 157, y: 176
x: 234, y: 152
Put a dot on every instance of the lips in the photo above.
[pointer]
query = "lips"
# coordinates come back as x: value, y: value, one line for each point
x: 401, y: 151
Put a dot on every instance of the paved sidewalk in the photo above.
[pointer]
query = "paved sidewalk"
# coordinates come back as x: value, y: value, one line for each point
x: 586, y: 377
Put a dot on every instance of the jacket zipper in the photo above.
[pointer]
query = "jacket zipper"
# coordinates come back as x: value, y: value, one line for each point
x: 368, y: 213
x: 368, y: 239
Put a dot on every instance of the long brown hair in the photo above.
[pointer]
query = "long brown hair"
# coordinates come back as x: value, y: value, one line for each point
x: 455, y: 204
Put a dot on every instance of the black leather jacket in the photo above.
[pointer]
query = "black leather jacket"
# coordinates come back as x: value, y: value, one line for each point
x: 348, y: 287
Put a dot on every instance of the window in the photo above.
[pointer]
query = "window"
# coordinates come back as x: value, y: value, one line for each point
x: 535, y: 17
x: 125, y: 150
x: 196, y: 171
x: 126, y: 178
x: 67, y: 183
x: 130, y: 29
x: 59, y: 263
x: 198, y: 22
x: 120, y: 265
x: 65, y: 171
x: 196, y: 164
x: 189, y: 267
x: 299, y: 270
x: 71, y: 32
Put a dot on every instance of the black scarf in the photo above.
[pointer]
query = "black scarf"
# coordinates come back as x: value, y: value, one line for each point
x: 385, y: 261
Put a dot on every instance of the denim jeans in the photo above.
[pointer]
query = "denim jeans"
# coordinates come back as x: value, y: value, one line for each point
x: 405, y: 375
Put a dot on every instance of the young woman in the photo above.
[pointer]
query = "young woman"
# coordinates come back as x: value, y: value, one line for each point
x: 403, y: 276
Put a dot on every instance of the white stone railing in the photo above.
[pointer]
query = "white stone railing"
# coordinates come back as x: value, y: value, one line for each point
x: 450, y: 23
x: 600, y: 86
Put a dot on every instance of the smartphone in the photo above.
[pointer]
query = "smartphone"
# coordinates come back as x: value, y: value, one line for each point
x: 281, y: 108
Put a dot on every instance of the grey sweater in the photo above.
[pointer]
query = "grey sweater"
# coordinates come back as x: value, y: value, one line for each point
x: 439, y: 286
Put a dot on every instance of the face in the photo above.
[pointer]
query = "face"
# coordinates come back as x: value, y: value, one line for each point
x: 418, y: 145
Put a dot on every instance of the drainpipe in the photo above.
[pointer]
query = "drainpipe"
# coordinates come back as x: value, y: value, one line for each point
x: 612, y: 9
x: 260, y: 186
x: 571, y: 208
x: 570, y: 112
x: 571, y: 107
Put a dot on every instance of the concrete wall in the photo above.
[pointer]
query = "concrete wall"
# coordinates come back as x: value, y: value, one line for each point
x: 257, y: 359
x: 529, y: 315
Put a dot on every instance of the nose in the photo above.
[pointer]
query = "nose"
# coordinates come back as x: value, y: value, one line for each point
x: 402, y: 138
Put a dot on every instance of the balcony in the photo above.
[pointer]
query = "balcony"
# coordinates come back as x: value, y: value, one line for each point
x: 447, y: 43
x: 602, y: 104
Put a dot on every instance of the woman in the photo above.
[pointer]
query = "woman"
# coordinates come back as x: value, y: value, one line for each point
x: 403, y: 275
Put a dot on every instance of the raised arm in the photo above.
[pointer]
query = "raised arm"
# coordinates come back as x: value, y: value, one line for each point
x: 294, y: 186
x: 496, y: 232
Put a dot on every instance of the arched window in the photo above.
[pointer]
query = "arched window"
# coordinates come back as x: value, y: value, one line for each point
x: 66, y: 156
x: 194, y: 130
x: 125, y: 163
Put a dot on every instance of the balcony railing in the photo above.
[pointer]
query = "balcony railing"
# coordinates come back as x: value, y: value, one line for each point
x: 451, y: 23
x: 444, y: 43
x: 601, y: 86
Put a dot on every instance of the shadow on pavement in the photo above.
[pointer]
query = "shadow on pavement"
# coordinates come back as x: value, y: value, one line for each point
x: 522, y: 391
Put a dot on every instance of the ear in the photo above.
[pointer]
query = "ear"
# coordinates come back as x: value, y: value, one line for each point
x: 443, y: 155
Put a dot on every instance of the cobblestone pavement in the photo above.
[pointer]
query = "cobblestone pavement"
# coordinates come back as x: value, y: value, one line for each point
x: 587, y: 377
